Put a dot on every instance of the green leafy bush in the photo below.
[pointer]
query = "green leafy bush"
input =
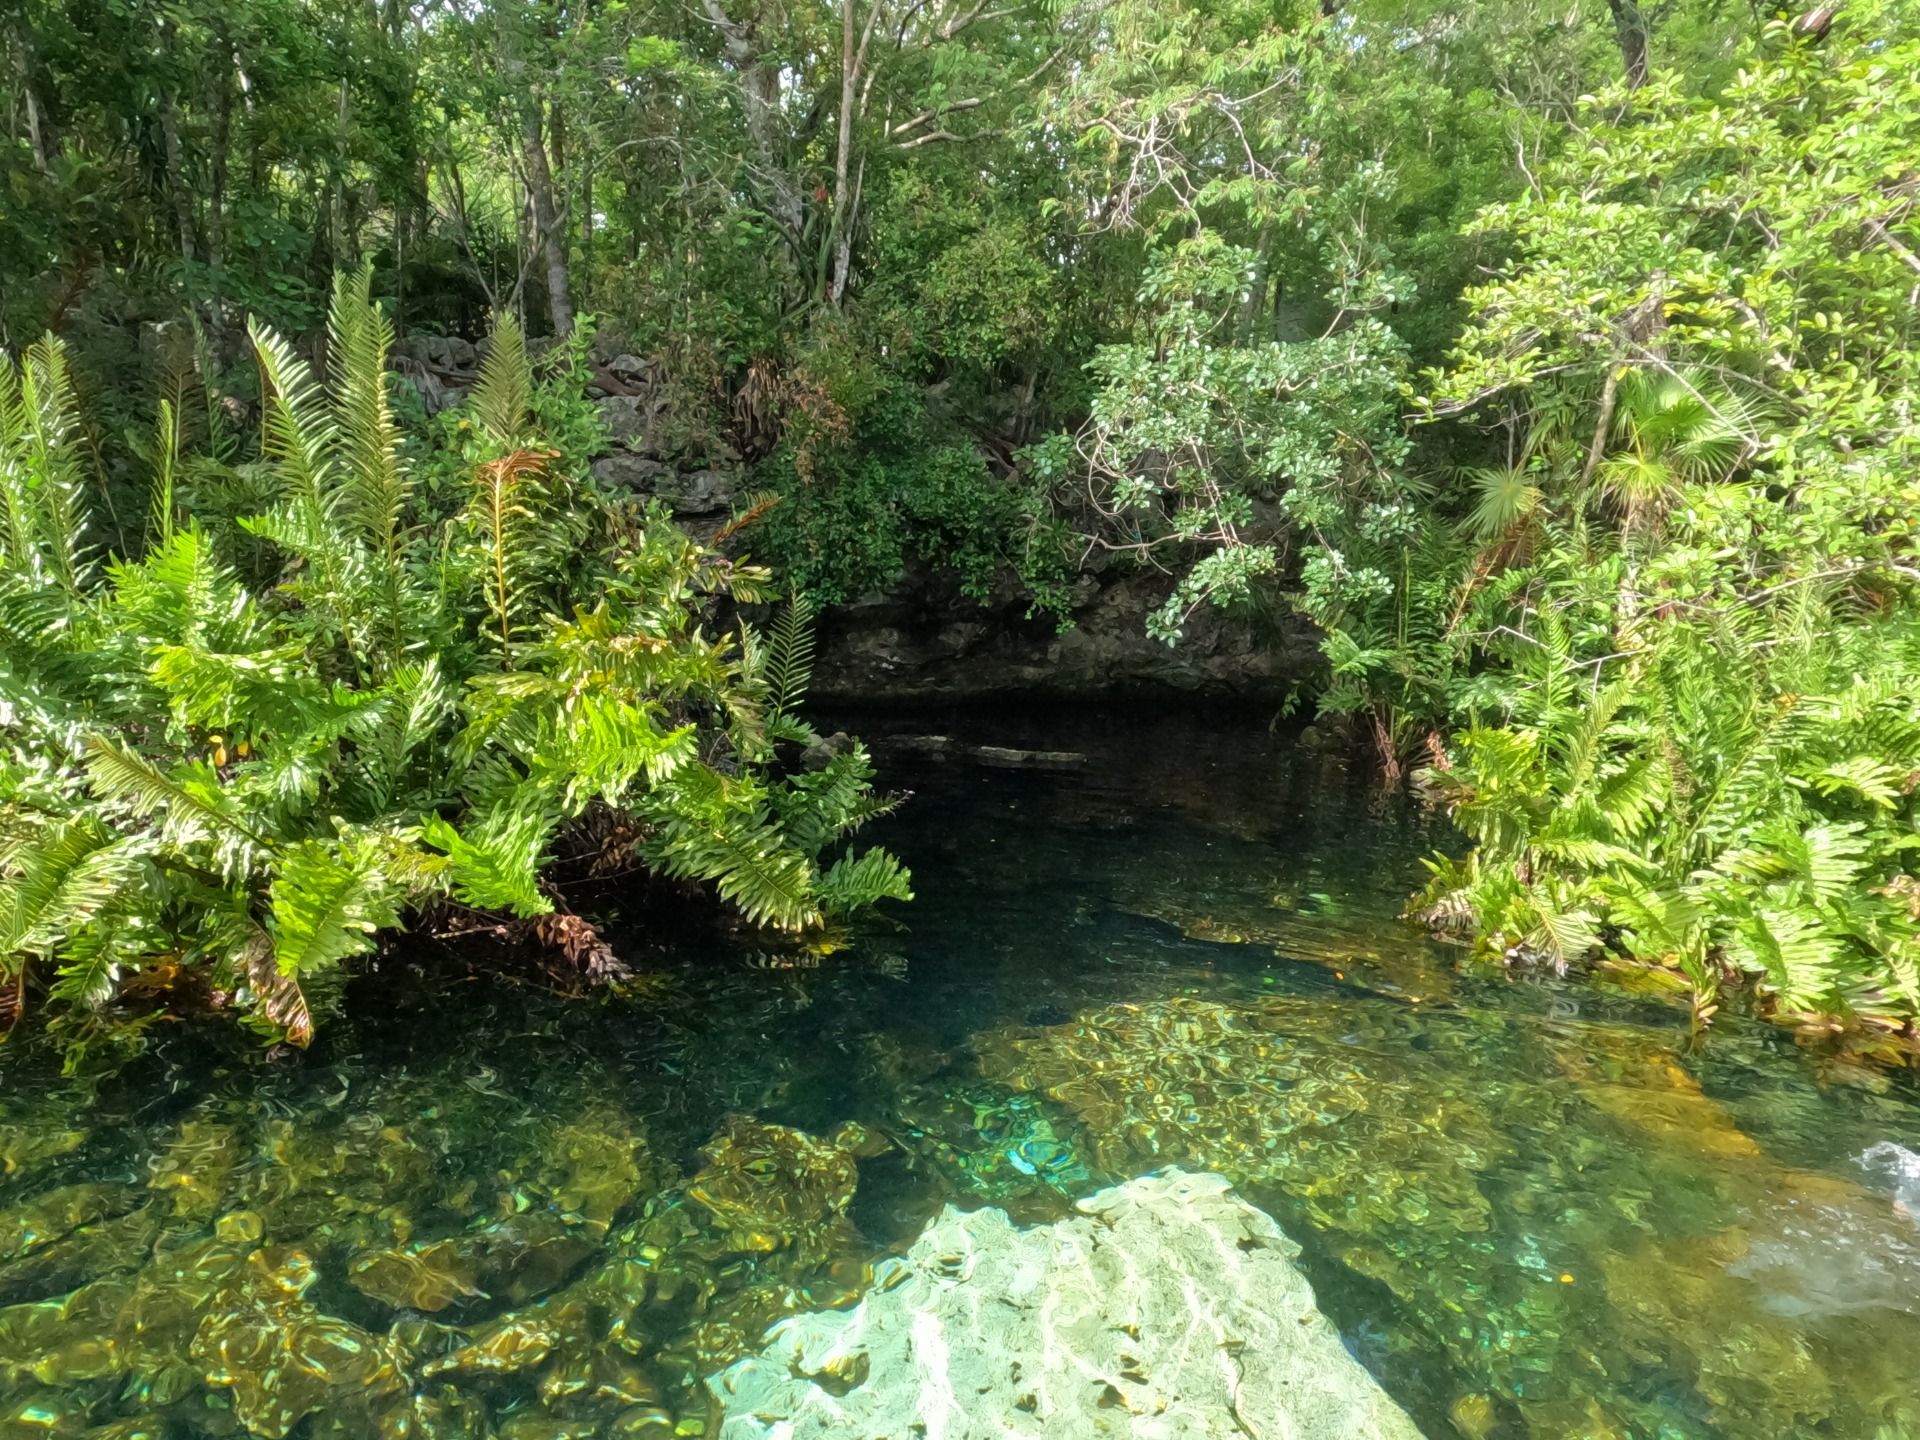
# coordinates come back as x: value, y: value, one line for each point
x: 868, y: 481
x: 1688, y: 633
x: 1734, y: 799
x: 231, y: 762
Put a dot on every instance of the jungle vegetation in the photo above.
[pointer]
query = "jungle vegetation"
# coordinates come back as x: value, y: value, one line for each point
x: 350, y: 678
x: 1559, y: 364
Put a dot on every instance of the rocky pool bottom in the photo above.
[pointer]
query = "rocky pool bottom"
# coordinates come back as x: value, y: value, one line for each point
x: 1530, y: 1207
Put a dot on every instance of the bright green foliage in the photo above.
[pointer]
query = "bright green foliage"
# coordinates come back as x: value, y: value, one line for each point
x: 870, y: 482
x: 212, y: 786
x: 1693, y: 725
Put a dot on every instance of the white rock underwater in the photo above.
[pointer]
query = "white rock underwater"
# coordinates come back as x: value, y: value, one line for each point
x: 1167, y: 1309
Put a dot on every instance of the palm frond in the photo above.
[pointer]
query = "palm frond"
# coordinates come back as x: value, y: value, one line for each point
x: 1502, y: 498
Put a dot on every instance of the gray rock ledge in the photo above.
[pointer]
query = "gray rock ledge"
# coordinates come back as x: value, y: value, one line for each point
x: 1167, y: 1309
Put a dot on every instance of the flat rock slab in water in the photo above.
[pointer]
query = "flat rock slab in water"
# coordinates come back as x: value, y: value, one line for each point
x: 1168, y: 1309
x: 1006, y: 757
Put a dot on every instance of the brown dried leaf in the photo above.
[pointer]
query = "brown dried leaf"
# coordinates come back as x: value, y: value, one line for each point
x: 582, y: 944
x: 281, y: 998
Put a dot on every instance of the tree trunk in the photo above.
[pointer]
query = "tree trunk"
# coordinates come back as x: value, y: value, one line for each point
x: 40, y: 142
x: 759, y: 81
x: 217, y: 191
x: 1630, y: 25
x: 546, y: 223
x: 176, y: 179
x: 1255, y: 304
x: 586, y: 227
x: 840, y: 227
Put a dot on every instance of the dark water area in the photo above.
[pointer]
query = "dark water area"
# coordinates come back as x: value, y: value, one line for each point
x: 1534, y: 1207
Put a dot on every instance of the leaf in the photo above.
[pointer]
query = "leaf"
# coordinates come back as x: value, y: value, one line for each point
x: 504, y: 392
x: 329, y: 898
x: 497, y: 856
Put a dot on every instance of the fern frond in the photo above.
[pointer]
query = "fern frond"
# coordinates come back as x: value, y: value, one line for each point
x: 69, y: 875
x: 297, y: 433
x: 496, y: 857
x: 499, y: 517
x: 789, y: 655
x: 1793, y: 951
x: 377, y: 483
x: 42, y: 510
x: 815, y: 809
x: 855, y: 882
x: 190, y: 800
x: 328, y: 901
x: 750, y: 865
x: 504, y: 392
x: 603, y: 742
x: 714, y: 830
x: 1562, y: 933
x: 1878, y: 782
x: 278, y: 996
x: 19, y: 545
x: 46, y: 390
x: 166, y: 464
x: 89, y: 971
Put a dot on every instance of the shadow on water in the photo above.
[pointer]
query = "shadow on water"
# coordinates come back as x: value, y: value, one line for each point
x: 1532, y: 1208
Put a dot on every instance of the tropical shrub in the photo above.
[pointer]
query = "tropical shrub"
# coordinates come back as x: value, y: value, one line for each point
x: 326, y: 696
x: 1209, y: 452
x: 1733, y: 799
x: 1690, y: 728
x: 870, y: 481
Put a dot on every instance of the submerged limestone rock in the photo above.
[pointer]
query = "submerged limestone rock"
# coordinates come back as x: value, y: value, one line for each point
x: 1168, y: 1307
x: 768, y: 1185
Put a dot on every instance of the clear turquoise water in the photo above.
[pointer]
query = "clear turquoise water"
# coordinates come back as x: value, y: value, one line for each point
x: 477, y: 1209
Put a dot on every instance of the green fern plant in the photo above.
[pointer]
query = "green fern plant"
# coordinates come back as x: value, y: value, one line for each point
x: 240, y: 757
x: 42, y: 507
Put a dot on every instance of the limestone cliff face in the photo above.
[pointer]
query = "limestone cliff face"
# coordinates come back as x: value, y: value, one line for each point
x: 1166, y: 1309
x: 921, y: 639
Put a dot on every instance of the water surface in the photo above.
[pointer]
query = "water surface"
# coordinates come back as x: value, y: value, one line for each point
x: 1534, y: 1207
